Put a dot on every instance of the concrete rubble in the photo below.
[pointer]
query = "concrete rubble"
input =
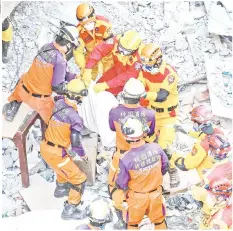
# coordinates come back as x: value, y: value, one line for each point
x: 188, y: 37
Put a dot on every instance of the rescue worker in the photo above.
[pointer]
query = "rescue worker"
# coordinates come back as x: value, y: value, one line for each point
x: 93, y: 29
x: 132, y: 92
x: 7, y: 35
x: 222, y: 169
x: 124, y: 50
x: 222, y: 197
x: 160, y: 80
x: 198, y: 158
x: 141, y: 171
x: 217, y: 208
x: 47, y: 73
x: 99, y: 215
x: 62, y: 141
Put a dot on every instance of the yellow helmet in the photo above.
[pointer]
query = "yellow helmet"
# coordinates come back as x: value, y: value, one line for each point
x: 151, y: 54
x: 85, y: 12
x: 129, y: 42
x: 76, y: 88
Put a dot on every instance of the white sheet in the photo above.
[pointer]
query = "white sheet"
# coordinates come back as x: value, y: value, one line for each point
x: 95, y: 112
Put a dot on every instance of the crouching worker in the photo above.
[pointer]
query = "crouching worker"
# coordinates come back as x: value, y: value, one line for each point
x: 131, y: 94
x: 48, y: 73
x: 141, y: 171
x: 199, y: 157
x: 99, y: 215
x: 62, y: 142
x: 217, y: 212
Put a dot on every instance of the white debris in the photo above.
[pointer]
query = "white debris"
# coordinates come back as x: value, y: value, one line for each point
x: 8, y: 161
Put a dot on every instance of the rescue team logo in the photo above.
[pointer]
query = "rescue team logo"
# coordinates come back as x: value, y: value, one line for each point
x: 171, y: 79
x: 194, y: 151
x: 138, y: 66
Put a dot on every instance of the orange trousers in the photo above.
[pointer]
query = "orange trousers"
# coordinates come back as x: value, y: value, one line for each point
x: 150, y: 204
x: 117, y: 195
x: 65, y: 168
x: 44, y: 105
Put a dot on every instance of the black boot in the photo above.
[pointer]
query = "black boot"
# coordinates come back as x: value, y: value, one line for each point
x: 73, y: 212
x: 120, y: 223
x: 174, y: 177
x: 61, y: 190
x: 5, y: 51
x: 10, y: 110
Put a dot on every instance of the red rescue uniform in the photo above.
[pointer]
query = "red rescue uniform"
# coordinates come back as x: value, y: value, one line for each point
x: 124, y: 68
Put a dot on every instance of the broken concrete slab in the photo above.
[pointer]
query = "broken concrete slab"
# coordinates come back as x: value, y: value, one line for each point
x: 203, y: 94
x: 40, y: 220
x: 90, y: 147
x: 218, y: 97
x: 40, y: 195
x: 219, y: 21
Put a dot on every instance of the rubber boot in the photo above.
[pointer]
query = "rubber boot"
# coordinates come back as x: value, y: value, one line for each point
x: 73, y: 212
x: 5, y: 51
x: 174, y: 177
x: 61, y: 190
x: 10, y: 110
x: 120, y: 223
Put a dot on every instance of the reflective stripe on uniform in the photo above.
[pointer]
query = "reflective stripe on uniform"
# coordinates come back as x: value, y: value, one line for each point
x: 67, y: 160
x: 113, y: 168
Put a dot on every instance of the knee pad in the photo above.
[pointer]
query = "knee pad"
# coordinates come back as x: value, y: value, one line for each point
x: 79, y: 188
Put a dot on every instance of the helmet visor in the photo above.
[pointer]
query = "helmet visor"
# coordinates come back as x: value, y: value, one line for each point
x: 124, y: 51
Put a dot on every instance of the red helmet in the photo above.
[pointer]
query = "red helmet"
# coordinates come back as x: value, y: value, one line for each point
x: 201, y: 114
x: 221, y: 186
x: 219, y: 146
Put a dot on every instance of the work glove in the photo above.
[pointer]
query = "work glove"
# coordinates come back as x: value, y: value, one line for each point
x: 99, y: 87
x: 79, y: 56
x: 151, y: 96
x: 86, y: 76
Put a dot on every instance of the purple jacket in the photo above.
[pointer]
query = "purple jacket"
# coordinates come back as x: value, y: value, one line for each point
x: 64, y: 120
x: 60, y: 73
x: 121, y: 112
x: 141, y: 169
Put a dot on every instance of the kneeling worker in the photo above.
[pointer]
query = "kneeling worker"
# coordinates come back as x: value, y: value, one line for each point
x: 141, y: 175
x: 62, y: 141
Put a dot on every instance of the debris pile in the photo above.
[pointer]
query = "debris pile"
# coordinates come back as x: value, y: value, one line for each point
x: 182, y: 29
x: 183, y: 212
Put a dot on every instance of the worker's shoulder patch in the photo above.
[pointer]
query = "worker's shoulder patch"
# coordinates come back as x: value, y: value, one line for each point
x: 194, y: 151
x: 171, y: 79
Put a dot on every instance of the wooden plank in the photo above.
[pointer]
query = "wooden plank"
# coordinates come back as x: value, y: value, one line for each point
x: 10, y: 128
x: 90, y: 147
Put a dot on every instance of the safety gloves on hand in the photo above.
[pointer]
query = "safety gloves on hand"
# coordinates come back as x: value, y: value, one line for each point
x: 99, y: 87
x: 151, y: 96
x: 86, y: 77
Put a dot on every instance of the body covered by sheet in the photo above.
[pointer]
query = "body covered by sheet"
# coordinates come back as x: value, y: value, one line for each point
x: 95, y: 112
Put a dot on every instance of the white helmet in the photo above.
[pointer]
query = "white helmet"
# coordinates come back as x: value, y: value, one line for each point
x: 99, y: 212
x: 70, y: 33
x: 133, y: 128
x: 133, y: 90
